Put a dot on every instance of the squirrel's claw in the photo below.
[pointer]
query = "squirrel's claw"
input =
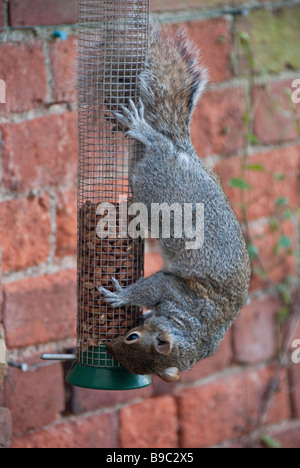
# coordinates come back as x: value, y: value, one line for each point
x: 133, y: 110
x: 141, y: 109
x: 122, y: 119
x: 117, y: 287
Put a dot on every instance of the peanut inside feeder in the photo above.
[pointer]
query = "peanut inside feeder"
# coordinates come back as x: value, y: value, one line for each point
x: 99, y: 261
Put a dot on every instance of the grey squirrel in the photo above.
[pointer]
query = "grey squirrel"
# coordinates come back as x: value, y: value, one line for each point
x: 198, y: 294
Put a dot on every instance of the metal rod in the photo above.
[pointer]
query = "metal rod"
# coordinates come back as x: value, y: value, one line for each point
x: 58, y: 357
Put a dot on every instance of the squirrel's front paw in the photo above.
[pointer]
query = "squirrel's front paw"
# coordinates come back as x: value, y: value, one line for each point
x: 133, y: 116
x: 116, y: 298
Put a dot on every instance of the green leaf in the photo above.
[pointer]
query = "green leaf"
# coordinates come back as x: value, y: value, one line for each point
x: 253, y: 251
x: 222, y: 39
x: 288, y: 214
x: 285, y: 242
x: 283, y: 314
x: 244, y: 38
x: 251, y: 138
x: 240, y: 183
x: 260, y: 272
x: 247, y: 118
x: 288, y: 92
x: 270, y: 442
x: 285, y: 291
x: 279, y: 177
x: 274, y: 224
x: 234, y: 61
x: 255, y: 167
x: 282, y: 201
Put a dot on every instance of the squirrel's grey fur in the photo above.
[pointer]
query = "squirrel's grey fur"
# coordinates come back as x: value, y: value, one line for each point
x: 199, y: 293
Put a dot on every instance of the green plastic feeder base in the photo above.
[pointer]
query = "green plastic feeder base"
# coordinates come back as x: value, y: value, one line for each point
x: 109, y: 375
x: 100, y: 378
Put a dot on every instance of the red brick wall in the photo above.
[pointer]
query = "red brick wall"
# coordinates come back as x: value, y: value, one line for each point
x: 220, y: 400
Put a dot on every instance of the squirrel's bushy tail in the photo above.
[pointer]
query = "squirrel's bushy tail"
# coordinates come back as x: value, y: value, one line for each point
x: 171, y: 83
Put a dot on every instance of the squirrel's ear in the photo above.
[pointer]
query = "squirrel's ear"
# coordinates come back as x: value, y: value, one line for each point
x: 171, y: 374
x: 162, y: 345
x: 147, y: 315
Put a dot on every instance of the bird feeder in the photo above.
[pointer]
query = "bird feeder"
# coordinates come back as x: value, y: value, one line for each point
x: 113, y: 43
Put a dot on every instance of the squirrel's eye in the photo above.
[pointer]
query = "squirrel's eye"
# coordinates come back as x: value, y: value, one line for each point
x: 132, y: 337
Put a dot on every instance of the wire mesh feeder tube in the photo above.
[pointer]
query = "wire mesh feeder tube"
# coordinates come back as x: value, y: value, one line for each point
x: 113, y: 42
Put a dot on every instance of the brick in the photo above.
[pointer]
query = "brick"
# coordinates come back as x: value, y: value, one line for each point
x: 153, y: 263
x: 64, y: 61
x: 23, y: 69
x: 1, y: 13
x: 39, y: 310
x: 217, y: 125
x: 37, y: 398
x: 95, y: 431
x: 51, y: 152
x: 274, y: 117
x: 149, y: 424
x: 254, y: 332
x: 274, y: 38
x: 266, y: 190
x: 42, y: 12
x: 66, y: 222
x: 228, y: 407
x: 5, y: 428
x: 213, y: 38
x: 25, y: 230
